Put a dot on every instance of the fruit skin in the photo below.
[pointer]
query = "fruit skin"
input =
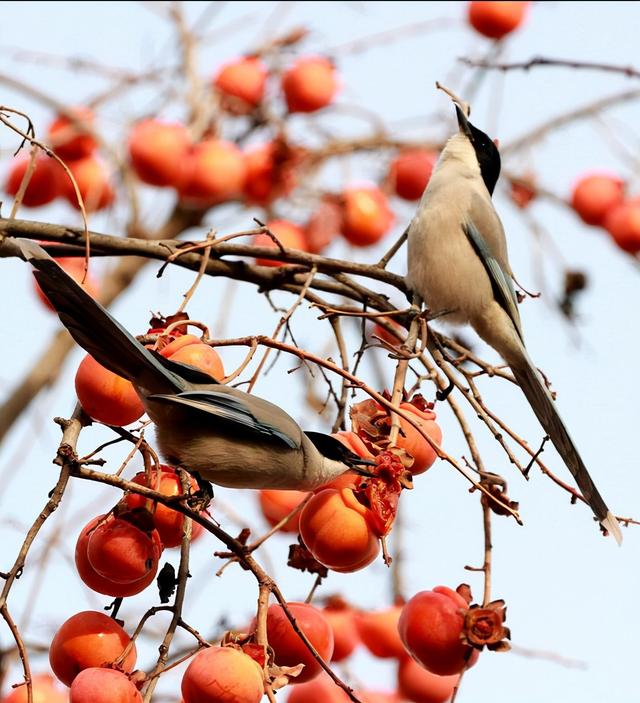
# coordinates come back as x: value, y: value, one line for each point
x: 289, y: 649
x: 105, y: 396
x: 75, y: 268
x: 415, y: 444
x: 417, y: 684
x: 345, y: 633
x: 44, y: 186
x: 98, y: 685
x: 410, y: 172
x: 378, y: 631
x: 222, y: 675
x: 93, y: 183
x: 71, y: 142
x: 430, y: 627
x: 241, y: 83
x: 167, y: 521
x: 367, y: 216
x: 197, y: 354
x: 88, y: 639
x: 276, y: 505
x: 594, y: 196
x: 158, y: 152
x: 496, y: 19
x: 93, y: 579
x: 271, y: 171
x: 623, y: 224
x: 289, y: 234
x: 336, y: 529
x: 215, y: 172
x: 44, y: 690
x: 123, y: 553
x: 319, y: 690
x: 309, y: 84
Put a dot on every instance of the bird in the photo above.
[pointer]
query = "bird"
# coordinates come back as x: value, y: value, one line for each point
x: 457, y: 263
x: 224, y: 435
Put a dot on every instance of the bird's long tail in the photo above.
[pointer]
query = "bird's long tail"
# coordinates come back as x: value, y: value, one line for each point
x: 544, y: 407
x: 94, y: 329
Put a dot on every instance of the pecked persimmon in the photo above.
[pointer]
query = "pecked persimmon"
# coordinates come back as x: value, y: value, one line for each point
x: 88, y: 639
x: 98, y: 685
x: 414, y: 443
x: 366, y: 217
x: 271, y: 171
x: 353, y: 442
x: 430, y: 627
x: 288, y: 648
x: 241, y: 83
x: 120, y: 551
x: 167, y: 521
x: 44, y: 186
x: 337, y: 529
x: 417, y: 684
x: 496, y: 19
x: 215, y: 172
x: 290, y: 235
x: 222, y: 675
x: 158, y: 152
x: 309, y: 84
x: 71, y: 139
x: 410, y: 171
x: 44, y: 688
x: 596, y: 195
x: 93, y: 579
x: 276, y: 505
x: 378, y: 631
x: 105, y: 396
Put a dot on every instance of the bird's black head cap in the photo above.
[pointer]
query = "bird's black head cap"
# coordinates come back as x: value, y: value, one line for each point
x: 331, y: 448
x: 486, y: 151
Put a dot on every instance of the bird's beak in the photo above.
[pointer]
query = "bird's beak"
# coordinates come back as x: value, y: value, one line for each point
x: 463, y: 122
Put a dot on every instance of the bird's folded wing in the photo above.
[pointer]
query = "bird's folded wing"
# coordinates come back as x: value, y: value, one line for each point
x: 227, y: 409
x: 481, y: 240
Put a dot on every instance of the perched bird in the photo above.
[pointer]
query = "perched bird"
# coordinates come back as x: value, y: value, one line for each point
x: 458, y: 265
x: 228, y: 437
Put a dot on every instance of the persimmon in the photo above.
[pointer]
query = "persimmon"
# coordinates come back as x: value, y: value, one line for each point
x: 366, y: 215
x: 377, y: 697
x: 417, y: 684
x: 44, y: 689
x: 44, y: 186
x: 71, y: 139
x: 215, y: 173
x: 222, y: 675
x: 378, y: 631
x: 309, y: 84
x: 410, y: 171
x: 324, y: 225
x: 322, y: 689
x: 88, y: 639
x: 388, y: 337
x: 271, y: 171
x: 195, y: 353
x: 241, y: 83
x: 414, y: 443
x: 93, y: 183
x: 523, y: 191
x: 98, y: 685
x: 353, y: 442
x: 430, y: 627
x: 496, y: 19
x: 167, y: 521
x: 337, y: 529
x: 93, y: 579
x: 105, y: 396
x: 288, y: 648
x: 290, y: 235
x: 276, y: 505
x: 345, y: 633
x: 158, y: 152
x: 75, y: 268
x: 623, y: 224
x: 121, y: 552
x: 594, y: 196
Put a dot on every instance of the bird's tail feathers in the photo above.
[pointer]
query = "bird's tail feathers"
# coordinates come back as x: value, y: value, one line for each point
x: 94, y: 329
x: 544, y: 407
